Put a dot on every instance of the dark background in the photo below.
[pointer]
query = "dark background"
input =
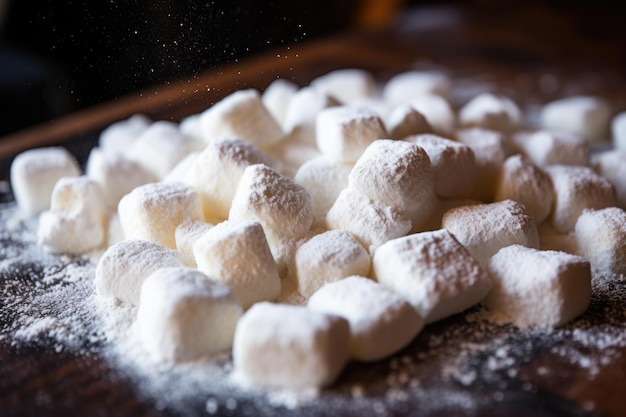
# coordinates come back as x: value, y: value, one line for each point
x: 57, y: 56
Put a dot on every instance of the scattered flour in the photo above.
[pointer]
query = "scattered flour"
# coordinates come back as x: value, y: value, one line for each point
x: 466, y: 364
x: 462, y: 364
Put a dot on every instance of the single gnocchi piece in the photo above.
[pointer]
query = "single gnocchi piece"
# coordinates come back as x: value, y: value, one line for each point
x: 241, y: 114
x: 601, y: 239
x: 405, y: 121
x: 403, y: 87
x: 329, y: 257
x: 125, y: 265
x: 324, y: 179
x: 538, y: 288
x: 491, y: 111
x: 186, y: 235
x: 618, y: 131
x: 526, y: 183
x: 612, y: 166
x: 119, y: 136
x: 282, y: 207
x: 343, y: 133
x: 576, y: 189
x: 184, y: 316
x: 491, y: 149
x: 381, y: 321
x: 545, y: 148
x: 217, y: 171
x: 585, y: 115
x: 453, y: 165
x: 153, y: 211
x: 236, y: 253
x: 277, y: 98
x: 397, y: 174
x: 433, y: 271
x: 303, y: 109
x: 161, y: 146
x: 486, y: 228
x: 77, y: 220
x: 371, y: 222
x: 286, y: 346
x: 117, y: 174
x: 438, y: 112
x: 347, y: 85
x: 35, y: 172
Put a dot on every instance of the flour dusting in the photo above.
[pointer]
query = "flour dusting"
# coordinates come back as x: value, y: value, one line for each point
x: 466, y: 363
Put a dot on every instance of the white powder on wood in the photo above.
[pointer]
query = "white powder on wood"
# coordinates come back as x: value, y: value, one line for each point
x: 462, y: 365
x: 452, y: 366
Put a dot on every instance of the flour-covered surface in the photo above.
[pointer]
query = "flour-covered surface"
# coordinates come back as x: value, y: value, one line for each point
x: 61, y: 350
x: 63, y: 353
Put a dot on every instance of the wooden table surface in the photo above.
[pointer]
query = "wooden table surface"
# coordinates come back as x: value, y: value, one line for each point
x: 531, y: 53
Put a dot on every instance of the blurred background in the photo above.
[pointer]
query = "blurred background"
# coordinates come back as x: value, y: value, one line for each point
x: 60, y: 56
